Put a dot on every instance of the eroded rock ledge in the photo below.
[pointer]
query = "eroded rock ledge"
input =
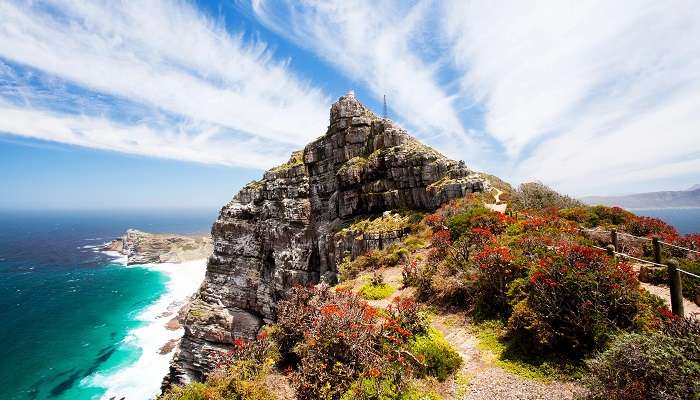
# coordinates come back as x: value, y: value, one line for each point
x: 145, y: 248
x: 279, y: 231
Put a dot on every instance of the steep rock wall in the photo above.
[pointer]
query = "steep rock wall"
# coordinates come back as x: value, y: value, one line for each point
x: 279, y: 231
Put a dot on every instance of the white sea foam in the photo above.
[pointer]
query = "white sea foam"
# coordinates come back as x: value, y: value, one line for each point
x: 141, y: 379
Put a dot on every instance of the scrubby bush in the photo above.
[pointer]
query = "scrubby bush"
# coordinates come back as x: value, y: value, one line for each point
x: 574, y: 299
x: 648, y: 227
x: 242, y: 374
x: 438, y: 357
x: 691, y: 242
x: 537, y: 197
x: 391, y: 256
x: 583, y: 215
x: 597, y: 215
x: 336, y: 339
x: 495, y: 270
x: 612, y: 215
x: 647, y: 366
x: 461, y: 223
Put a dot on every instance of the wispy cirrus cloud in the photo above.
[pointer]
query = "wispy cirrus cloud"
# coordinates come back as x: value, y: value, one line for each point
x: 377, y: 44
x: 584, y: 95
x: 167, y: 56
x: 194, y: 142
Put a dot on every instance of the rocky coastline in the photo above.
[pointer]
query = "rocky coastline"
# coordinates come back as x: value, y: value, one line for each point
x: 145, y: 248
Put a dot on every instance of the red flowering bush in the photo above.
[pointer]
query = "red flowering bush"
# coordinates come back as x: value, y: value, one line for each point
x: 440, y: 242
x: 689, y: 242
x: 495, y: 270
x: 333, y: 338
x: 573, y: 300
x: 648, y: 227
x: 434, y: 220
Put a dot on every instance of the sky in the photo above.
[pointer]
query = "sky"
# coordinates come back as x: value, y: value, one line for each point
x: 177, y: 104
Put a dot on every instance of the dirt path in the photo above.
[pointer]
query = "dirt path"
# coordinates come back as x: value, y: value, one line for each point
x: 691, y: 309
x: 481, y: 379
x: 497, y: 206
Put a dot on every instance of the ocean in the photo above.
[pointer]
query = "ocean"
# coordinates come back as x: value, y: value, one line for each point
x: 78, y: 323
x: 685, y: 220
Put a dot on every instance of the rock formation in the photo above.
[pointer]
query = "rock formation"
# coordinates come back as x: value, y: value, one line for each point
x: 144, y: 248
x: 279, y: 231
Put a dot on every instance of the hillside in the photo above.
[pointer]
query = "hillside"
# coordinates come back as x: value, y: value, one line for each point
x: 278, y: 232
x: 370, y: 266
x: 666, y: 199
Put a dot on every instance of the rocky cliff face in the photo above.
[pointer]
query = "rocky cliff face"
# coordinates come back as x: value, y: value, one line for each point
x: 279, y: 231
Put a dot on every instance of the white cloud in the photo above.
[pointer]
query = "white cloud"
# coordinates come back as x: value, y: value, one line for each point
x: 165, y: 55
x: 592, y: 94
x: 376, y: 43
x: 195, y: 142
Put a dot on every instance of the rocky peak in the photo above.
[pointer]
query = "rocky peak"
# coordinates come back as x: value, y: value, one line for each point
x: 281, y: 230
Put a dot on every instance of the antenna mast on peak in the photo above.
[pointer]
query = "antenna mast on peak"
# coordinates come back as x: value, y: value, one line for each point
x: 385, y: 114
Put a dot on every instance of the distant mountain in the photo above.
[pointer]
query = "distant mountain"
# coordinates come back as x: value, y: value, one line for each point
x: 668, y: 199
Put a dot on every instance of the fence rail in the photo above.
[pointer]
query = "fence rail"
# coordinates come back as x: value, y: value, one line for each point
x: 674, y: 279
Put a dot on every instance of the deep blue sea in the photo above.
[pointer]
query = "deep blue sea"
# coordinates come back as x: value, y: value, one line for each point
x: 66, y: 308
x: 686, y: 220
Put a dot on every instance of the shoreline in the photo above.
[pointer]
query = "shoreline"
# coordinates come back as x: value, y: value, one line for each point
x: 156, y: 333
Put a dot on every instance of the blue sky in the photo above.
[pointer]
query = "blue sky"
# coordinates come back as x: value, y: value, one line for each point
x: 178, y: 103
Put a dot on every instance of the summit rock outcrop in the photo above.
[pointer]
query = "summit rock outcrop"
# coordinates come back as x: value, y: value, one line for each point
x: 279, y: 231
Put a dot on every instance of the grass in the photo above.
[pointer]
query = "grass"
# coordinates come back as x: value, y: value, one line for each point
x: 440, y: 358
x: 296, y: 159
x: 386, y: 223
x: 462, y: 382
x: 490, y: 339
x: 376, y: 292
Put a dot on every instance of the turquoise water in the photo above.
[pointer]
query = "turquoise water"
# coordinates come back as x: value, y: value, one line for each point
x: 65, y: 308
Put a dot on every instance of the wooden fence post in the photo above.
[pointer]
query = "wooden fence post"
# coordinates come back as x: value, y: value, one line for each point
x: 613, y: 237
x: 674, y: 281
x: 657, y: 249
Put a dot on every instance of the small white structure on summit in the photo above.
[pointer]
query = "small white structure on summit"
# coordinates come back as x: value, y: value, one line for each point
x: 350, y: 93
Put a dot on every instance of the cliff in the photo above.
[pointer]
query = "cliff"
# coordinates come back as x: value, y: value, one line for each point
x: 144, y: 248
x: 280, y: 231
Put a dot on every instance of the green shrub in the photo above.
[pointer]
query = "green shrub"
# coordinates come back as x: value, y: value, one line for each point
x: 242, y: 380
x: 371, y: 291
x: 387, y: 388
x: 647, y: 366
x: 389, y: 257
x: 435, y: 352
x: 462, y: 223
x: 612, y: 215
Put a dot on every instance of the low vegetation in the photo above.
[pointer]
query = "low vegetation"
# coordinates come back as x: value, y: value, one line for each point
x: 535, y: 196
x: 541, y: 299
